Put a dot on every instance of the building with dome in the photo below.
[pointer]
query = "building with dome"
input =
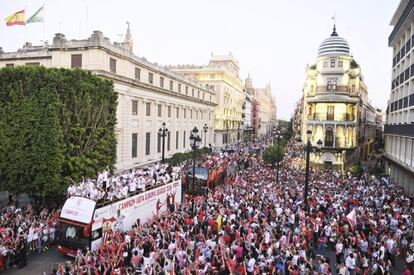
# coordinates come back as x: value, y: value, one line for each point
x: 336, y: 107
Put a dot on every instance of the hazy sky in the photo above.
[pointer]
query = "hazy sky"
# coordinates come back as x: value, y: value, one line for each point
x: 273, y: 40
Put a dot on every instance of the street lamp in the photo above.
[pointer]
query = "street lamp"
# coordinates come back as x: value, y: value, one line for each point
x: 227, y: 135
x: 194, y: 138
x: 163, y: 132
x: 308, y: 151
x: 277, y: 135
x: 205, y: 128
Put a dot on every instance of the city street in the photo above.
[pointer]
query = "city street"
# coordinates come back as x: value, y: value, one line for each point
x: 207, y: 137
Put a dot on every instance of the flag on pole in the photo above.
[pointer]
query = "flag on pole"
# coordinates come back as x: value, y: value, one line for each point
x: 16, y: 18
x: 37, y: 16
x: 351, y: 218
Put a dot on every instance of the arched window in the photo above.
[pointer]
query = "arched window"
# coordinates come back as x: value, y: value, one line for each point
x: 334, y: 85
x: 329, y: 88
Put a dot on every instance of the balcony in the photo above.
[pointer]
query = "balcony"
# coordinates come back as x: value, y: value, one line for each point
x: 331, y: 117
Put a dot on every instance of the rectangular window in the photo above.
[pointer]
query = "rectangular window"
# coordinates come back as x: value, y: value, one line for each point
x: 137, y: 73
x: 186, y: 90
x: 112, y: 65
x: 159, y: 138
x: 176, y: 140
x: 196, y: 114
x: 168, y: 140
x: 10, y: 65
x: 185, y: 113
x: 340, y: 63
x: 148, y: 109
x: 169, y: 111
x: 198, y: 94
x: 332, y: 63
x: 150, y: 78
x: 147, y: 143
x: 177, y: 111
x: 325, y: 64
x: 134, y: 149
x: 159, y: 110
x: 134, y: 107
x: 179, y: 87
x: 76, y: 61
x: 191, y: 114
x: 330, y: 113
x: 32, y: 64
x: 192, y: 92
x: 171, y: 85
x: 184, y: 139
x: 162, y: 82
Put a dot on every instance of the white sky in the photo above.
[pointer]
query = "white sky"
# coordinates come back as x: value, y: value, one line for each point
x: 272, y: 39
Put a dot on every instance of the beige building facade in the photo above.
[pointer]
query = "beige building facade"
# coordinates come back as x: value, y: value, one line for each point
x: 336, y: 107
x: 148, y: 95
x: 221, y: 76
x: 267, y: 117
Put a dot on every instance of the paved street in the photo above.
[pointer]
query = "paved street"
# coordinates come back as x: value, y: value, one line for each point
x: 38, y: 264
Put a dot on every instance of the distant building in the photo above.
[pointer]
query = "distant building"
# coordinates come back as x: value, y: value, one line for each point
x: 399, y: 127
x: 221, y: 76
x: 336, y: 107
x: 297, y: 119
x: 247, y: 119
x: 265, y: 107
x: 148, y: 95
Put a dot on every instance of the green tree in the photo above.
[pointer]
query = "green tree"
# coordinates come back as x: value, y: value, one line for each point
x: 55, y: 125
x: 274, y: 153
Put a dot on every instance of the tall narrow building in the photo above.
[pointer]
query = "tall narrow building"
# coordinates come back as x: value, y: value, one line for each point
x: 399, y: 127
x: 336, y: 107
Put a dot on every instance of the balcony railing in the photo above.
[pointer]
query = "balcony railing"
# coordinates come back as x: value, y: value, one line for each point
x: 335, y: 117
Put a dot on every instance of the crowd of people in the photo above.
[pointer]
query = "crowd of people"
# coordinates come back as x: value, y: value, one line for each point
x: 254, y: 225
x: 108, y: 188
x: 24, y: 231
x: 249, y: 224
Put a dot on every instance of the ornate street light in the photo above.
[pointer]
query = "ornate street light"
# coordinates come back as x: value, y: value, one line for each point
x: 162, y: 132
x: 194, y: 137
x: 205, y: 128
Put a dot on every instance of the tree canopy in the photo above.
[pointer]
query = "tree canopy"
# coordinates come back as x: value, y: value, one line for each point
x: 56, y: 125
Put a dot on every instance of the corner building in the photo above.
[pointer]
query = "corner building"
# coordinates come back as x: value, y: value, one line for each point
x: 221, y: 75
x: 335, y: 105
x: 148, y: 95
x: 399, y: 125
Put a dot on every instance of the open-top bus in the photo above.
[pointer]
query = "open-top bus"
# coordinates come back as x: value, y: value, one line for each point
x: 82, y: 221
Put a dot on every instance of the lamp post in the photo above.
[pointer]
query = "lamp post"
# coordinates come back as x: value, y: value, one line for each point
x: 277, y: 135
x: 205, y: 128
x: 308, y: 151
x: 163, y: 132
x: 194, y: 138
x: 227, y: 135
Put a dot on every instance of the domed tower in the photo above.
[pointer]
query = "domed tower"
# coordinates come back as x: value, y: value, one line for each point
x: 332, y: 90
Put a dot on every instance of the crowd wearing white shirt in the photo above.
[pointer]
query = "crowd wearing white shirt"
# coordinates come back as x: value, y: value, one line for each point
x: 106, y: 187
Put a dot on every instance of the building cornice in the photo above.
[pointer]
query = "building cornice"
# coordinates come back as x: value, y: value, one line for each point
x: 134, y: 84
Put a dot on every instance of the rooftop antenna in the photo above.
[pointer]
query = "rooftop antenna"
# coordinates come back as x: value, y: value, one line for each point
x: 334, y: 33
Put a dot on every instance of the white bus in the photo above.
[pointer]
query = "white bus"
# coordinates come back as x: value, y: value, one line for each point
x: 82, y: 221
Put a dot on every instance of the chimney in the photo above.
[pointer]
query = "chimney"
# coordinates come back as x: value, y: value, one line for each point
x: 59, y: 39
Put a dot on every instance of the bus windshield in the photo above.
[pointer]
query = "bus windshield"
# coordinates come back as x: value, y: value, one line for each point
x: 72, y: 233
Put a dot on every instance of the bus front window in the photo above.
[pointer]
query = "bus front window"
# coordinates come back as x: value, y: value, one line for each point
x: 70, y: 232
